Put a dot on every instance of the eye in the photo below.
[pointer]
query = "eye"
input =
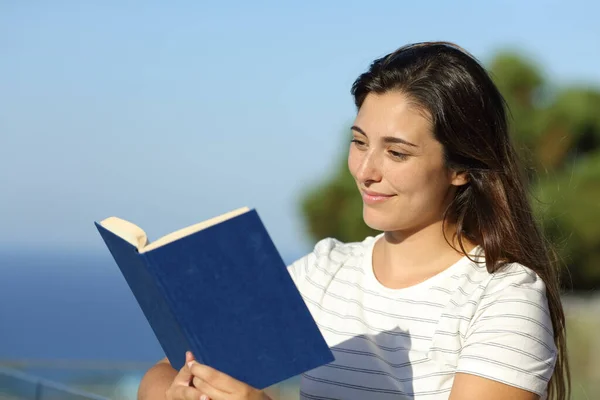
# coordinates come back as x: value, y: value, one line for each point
x: 399, y: 156
x: 358, y: 143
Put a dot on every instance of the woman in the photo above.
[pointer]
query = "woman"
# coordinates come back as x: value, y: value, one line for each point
x: 457, y: 298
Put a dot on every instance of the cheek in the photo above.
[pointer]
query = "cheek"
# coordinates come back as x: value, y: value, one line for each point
x: 353, y: 162
x: 415, y: 179
x: 403, y: 177
x: 437, y: 177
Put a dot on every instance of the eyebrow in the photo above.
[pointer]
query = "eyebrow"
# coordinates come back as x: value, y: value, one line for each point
x: 386, y: 139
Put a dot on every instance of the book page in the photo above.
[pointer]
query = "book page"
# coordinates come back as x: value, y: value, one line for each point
x: 171, y: 237
x: 127, y: 231
x: 137, y: 237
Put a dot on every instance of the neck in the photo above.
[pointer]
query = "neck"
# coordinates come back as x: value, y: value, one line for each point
x: 424, y: 250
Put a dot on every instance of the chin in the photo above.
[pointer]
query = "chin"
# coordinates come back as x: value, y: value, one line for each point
x: 379, y: 220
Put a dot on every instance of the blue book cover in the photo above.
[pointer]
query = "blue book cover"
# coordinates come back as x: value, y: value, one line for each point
x: 221, y: 290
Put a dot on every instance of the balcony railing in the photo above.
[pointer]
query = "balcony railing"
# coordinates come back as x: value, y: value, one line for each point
x: 16, y: 385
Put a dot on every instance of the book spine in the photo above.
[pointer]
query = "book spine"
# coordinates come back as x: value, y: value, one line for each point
x: 171, y: 306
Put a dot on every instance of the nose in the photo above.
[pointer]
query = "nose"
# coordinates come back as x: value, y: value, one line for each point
x: 369, y: 169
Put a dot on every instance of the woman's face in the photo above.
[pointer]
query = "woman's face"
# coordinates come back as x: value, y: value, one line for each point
x: 398, y: 165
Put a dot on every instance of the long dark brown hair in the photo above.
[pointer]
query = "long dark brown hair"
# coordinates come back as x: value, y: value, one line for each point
x: 469, y: 119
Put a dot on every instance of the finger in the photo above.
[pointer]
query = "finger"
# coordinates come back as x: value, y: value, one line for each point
x: 196, y: 381
x: 184, y: 376
x: 186, y: 393
x: 210, y: 391
x: 214, y: 378
x: 188, y: 357
x: 200, y: 382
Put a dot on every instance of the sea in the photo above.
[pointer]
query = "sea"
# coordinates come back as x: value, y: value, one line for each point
x: 69, y: 317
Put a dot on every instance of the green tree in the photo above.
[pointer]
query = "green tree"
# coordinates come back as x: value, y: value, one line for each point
x: 557, y: 132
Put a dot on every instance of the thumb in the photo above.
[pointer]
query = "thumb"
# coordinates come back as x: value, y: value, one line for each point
x: 188, y: 357
x: 184, y: 376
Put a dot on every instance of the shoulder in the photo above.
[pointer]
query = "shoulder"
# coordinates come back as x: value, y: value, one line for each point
x: 329, y: 254
x: 514, y: 297
x: 515, y: 275
x: 511, y: 281
x: 515, y: 287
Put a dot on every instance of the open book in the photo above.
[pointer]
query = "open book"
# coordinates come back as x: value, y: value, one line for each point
x: 136, y: 236
x: 220, y: 289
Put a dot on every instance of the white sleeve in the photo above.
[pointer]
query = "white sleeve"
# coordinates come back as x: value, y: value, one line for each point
x: 303, y: 267
x: 299, y: 269
x: 511, y: 339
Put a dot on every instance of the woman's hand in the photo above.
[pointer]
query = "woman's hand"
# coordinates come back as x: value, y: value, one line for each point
x: 219, y: 386
x: 180, y: 389
x: 196, y: 381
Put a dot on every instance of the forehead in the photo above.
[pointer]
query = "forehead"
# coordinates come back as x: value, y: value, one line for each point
x: 394, y: 114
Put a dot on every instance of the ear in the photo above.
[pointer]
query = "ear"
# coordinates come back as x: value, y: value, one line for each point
x: 459, y: 177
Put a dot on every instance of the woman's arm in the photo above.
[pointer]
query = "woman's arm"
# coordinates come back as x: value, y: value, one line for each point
x: 163, y: 382
x: 472, y: 387
x: 156, y: 381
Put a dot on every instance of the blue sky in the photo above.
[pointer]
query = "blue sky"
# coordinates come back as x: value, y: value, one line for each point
x: 167, y: 113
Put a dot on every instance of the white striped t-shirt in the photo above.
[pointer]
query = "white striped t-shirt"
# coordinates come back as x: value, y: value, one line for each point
x: 408, y: 343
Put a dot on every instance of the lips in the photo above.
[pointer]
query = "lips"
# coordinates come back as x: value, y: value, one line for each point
x: 370, y: 193
x: 370, y: 197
